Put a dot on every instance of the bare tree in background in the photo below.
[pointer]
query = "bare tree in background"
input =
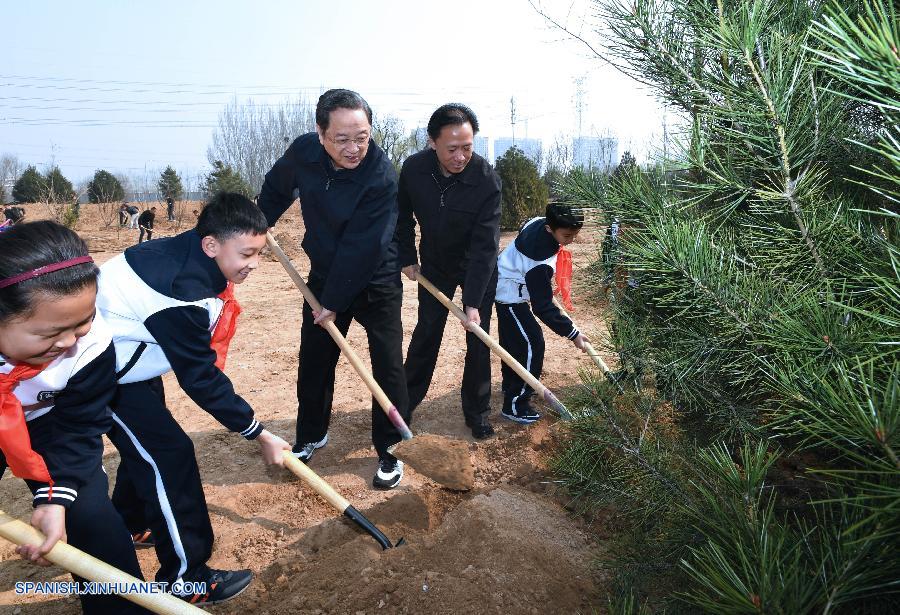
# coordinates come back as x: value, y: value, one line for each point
x: 418, y: 140
x: 10, y: 169
x: 250, y: 137
x: 559, y: 156
x: 391, y: 136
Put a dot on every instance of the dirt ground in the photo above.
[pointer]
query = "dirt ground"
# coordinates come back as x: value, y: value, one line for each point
x: 507, y: 546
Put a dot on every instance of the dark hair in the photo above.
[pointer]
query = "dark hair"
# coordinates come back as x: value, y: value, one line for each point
x: 228, y: 214
x: 339, y: 99
x: 30, y: 245
x: 451, y: 114
x: 564, y: 216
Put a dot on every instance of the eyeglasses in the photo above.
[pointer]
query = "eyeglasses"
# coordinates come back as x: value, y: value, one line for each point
x: 344, y: 142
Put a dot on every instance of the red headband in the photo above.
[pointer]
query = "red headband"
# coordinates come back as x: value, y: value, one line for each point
x: 45, y: 269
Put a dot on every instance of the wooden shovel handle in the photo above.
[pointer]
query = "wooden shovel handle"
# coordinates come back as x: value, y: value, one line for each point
x: 318, y: 484
x: 334, y: 498
x: 389, y: 409
x: 496, y: 348
x: 88, y: 567
x: 591, y: 351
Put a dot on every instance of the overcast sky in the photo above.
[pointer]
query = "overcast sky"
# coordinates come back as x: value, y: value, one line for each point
x: 126, y: 86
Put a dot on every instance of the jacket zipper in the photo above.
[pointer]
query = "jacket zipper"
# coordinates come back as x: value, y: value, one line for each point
x: 442, y: 190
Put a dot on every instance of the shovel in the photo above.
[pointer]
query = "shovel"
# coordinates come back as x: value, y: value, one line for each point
x: 594, y: 355
x: 446, y: 461
x: 318, y: 484
x: 497, y: 349
x: 88, y: 567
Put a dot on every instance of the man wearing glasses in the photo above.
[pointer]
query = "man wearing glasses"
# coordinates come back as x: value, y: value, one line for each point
x: 348, y: 199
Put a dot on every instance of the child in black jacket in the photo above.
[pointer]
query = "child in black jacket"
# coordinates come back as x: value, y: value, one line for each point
x: 525, y: 274
x: 170, y: 305
x: 57, y: 376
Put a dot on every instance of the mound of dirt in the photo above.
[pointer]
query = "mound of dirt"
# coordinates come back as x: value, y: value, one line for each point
x: 443, y: 460
x: 504, y: 551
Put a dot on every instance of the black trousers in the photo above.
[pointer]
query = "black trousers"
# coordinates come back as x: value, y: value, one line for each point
x: 522, y: 337
x: 377, y: 309
x: 94, y: 526
x: 158, y: 484
x: 421, y: 356
x: 141, y: 235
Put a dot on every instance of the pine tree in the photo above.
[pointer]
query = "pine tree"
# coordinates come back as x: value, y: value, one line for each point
x: 105, y: 188
x: 169, y: 184
x: 524, y: 193
x: 58, y: 188
x: 225, y: 179
x: 30, y: 187
x: 757, y: 312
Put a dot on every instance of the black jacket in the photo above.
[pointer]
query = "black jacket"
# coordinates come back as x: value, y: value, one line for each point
x: 146, y: 219
x: 460, y: 224
x: 350, y: 216
x: 160, y: 300
x: 66, y: 407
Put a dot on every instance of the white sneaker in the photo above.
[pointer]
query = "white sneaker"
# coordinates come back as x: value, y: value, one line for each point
x: 306, y: 451
x: 389, y: 474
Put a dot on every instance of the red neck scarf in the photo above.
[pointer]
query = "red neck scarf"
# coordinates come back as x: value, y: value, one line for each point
x: 14, y: 439
x: 564, y: 277
x: 226, y: 325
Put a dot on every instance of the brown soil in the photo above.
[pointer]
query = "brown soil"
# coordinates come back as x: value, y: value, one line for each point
x: 444, y: 461
x: 507, y: 545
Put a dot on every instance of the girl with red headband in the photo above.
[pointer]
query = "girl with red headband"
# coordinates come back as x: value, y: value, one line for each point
x: 57, y: 376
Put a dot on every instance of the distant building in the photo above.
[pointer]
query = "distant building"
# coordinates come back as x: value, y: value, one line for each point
x: 595, y: 152
x: 530, y: 147
x: 481, y: 147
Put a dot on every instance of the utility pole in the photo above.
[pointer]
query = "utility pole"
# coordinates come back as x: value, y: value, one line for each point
x: 512, y: 117
x: 579, y: 102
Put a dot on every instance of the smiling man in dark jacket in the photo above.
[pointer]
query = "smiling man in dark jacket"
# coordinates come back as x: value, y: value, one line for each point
x: 348, y: 198
x: 454, y: 194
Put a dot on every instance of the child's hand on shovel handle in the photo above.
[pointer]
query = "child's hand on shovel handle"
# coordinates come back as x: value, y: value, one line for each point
x: 272, y: 447
x: 50, y: 520
x: 581, y: 342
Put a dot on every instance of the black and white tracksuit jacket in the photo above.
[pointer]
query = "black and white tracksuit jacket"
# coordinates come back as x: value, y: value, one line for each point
x: 160, y: 300
x: 525, y: 274
x: 66, y: 411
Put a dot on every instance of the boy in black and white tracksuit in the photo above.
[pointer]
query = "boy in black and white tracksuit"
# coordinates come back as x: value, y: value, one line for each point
x: 162, y: 301
x: 525, y: 273
x: 66, y: 411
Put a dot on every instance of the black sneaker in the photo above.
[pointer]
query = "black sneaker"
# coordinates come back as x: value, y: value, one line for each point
x: 520, y: 411
x: 219, y: 586
x: 305, y: 452
x: 143, y: 540
x: 482, y: 431
x: 389, y: 474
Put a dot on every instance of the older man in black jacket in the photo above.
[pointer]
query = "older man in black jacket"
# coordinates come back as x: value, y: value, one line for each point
x: 454, y: 194
x: 348, y: 198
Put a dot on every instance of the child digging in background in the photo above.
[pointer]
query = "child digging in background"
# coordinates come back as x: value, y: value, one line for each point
x: 525, y: 273
x: 57, y: 376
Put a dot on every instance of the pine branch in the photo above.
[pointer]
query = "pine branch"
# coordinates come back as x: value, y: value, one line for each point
x: 789, y: 183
